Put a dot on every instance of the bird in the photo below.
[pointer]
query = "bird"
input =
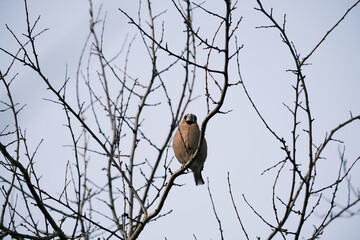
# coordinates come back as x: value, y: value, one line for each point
x: 185, y: 143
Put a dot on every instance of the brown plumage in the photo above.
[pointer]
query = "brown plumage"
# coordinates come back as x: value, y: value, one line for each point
x: 185, y: 143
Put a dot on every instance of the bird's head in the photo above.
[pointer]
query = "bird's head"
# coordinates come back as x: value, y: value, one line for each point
x: 190, y: 118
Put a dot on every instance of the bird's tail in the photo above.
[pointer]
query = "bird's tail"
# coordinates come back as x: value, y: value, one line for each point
x: 198, y: 178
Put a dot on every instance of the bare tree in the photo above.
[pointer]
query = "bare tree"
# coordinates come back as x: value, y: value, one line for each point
x: 304, y: 196
x: 106, y: 120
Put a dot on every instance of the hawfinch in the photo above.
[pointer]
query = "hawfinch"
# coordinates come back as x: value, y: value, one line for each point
x: 185, y: 143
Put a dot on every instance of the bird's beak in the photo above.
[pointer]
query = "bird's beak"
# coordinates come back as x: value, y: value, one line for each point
x: 190, y: 118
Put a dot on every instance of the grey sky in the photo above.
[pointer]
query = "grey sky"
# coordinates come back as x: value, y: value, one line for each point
x: 238, y: 142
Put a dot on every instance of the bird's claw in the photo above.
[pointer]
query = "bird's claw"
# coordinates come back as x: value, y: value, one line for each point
x: 190, y: 157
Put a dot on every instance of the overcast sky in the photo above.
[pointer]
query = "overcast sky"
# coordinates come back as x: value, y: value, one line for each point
x: 238, y: 142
